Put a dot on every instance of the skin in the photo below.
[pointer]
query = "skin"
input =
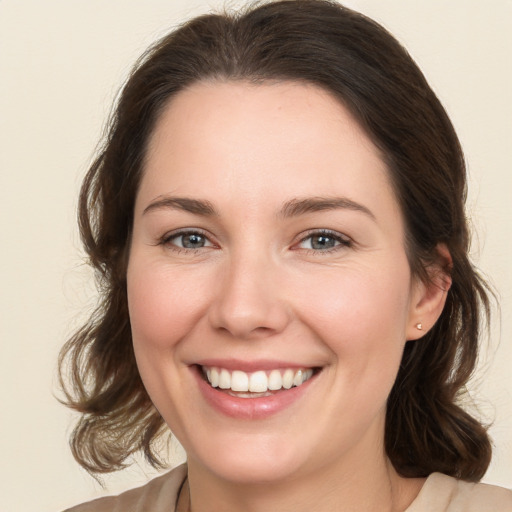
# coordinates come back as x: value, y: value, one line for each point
x: 258, y: 289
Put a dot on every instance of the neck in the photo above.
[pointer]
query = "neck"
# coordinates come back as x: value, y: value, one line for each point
x: 352, y: 485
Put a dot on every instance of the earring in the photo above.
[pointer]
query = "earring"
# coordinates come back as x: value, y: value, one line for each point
x: 419, y: 326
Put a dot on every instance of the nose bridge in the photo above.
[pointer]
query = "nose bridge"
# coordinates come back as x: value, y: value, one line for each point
x: 249, y: 300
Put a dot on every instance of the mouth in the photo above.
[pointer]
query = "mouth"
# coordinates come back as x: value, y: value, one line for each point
x: 257, y: 384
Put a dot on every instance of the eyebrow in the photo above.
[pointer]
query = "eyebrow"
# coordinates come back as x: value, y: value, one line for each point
x: 292, y: 208
x: 196, y: 206
x: 297, y: 207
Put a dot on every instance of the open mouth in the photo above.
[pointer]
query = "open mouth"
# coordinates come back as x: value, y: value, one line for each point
x: 256, y: 384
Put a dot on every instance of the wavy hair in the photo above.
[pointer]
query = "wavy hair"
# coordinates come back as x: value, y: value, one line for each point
x: 322, y: 43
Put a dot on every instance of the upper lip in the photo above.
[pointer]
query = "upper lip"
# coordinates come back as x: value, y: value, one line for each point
x: 253, y: 365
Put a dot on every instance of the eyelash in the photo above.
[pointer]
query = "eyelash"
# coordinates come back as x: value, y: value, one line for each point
x: 343, y: 241
x: 168, y: 237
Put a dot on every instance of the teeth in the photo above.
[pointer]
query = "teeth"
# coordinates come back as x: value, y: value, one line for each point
x: 275, y: 381
x: 239, y: 381
x: 213, y: 377
x: 224, y: 379
x: 257, y: 382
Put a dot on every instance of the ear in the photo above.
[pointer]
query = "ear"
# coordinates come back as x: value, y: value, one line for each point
x: 428, y: 298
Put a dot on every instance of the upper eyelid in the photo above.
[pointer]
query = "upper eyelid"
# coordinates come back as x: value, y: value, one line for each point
x: 323, y: 231
x: 300, y: 238
x: 170, y: 235
x: 185, y: 231
x: 344, y: 241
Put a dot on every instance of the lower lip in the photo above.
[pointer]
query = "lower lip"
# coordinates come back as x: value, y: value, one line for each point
x: 249, y: 408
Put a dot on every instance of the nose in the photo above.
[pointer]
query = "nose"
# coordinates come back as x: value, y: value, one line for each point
x: 250, y: 302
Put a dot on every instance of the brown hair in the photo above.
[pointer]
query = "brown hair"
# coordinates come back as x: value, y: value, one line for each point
x: 322, y: 43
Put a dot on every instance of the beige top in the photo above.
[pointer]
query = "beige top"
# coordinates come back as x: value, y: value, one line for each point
x: 440, y: 493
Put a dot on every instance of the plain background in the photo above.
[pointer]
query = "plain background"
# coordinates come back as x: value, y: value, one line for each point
x: 61, y: 64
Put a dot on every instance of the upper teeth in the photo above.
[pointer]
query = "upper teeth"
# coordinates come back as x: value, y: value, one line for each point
x: 256, y: 382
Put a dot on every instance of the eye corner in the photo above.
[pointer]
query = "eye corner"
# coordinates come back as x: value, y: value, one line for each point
x: 202, y: 240
x: 328, y: 241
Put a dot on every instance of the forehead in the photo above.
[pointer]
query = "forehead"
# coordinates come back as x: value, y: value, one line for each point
x: 267, y: 142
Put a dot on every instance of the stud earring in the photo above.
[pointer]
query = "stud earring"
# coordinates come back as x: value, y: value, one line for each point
x: 419, y: 326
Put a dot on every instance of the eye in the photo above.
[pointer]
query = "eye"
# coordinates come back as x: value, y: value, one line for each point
x: 187, y: 240
x: 324, y: 240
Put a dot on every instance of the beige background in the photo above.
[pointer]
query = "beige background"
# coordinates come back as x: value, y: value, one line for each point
x: 61, y: 63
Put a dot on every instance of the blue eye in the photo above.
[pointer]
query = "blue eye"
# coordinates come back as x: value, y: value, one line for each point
x: 323, y: 241
x: 188, y: 240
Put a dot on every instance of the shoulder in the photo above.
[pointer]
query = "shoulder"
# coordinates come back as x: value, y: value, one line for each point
x: 442, y: 493
x: 159, y: 494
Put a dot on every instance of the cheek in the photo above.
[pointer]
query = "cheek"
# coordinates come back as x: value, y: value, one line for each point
x: 360, y: 314
x: 164, y: 304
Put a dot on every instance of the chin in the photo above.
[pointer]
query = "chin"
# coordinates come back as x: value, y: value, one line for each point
x: 254, y: 472
x: 252, y: 463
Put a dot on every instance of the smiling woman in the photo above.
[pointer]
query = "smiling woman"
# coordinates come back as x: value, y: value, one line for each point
x: 278, y: 219
x: 286, y: 285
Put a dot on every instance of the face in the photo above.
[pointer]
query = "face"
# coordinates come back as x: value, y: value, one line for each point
x: 269, y: 290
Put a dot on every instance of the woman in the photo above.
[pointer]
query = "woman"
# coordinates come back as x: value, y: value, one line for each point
x: 277, y: 218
